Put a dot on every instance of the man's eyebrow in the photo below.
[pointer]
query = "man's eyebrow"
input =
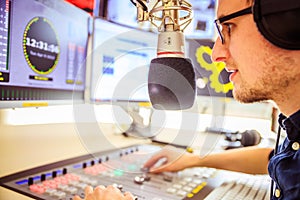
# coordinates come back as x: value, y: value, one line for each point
x: 220, y: 16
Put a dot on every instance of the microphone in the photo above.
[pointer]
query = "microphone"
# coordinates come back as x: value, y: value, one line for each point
x: 246, y: 138
x: 171, y: 78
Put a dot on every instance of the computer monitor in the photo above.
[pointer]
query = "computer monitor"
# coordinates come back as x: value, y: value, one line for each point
x: 121, y: 58
x: 93, y: 7
x: 201, y: 26
x: 125, y: 13
x: 45, y: 60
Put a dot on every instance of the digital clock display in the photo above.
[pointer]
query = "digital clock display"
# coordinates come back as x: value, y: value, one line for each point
x: 41, y: 46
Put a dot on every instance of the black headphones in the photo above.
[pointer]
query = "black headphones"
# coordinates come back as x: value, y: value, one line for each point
x: 278, y: 21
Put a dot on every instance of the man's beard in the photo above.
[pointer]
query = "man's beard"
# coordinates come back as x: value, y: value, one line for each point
x: 247, y: 94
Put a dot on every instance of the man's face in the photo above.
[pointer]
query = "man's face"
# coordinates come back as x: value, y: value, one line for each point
x: 260, y: 70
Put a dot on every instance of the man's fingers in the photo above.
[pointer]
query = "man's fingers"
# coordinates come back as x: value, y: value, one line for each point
x: 88, y: 190
x: 76, y: 198
x: 102, y: 192
x: 98, y: 191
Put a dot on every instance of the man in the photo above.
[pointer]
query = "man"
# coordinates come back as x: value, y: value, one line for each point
x: 260, y: 71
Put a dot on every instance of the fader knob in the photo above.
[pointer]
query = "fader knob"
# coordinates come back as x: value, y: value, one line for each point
x: 92, y: 162
x: 54, y: 174
x: 84, y: 165
x: 43, y: 177
x: 30, y: 181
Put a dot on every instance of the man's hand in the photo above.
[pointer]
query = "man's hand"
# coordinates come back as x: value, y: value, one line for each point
x: 173, y: 160
x: 105, y: 193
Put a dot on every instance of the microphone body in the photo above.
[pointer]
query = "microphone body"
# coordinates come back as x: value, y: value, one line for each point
x: 170, y: 44
x: 171, y: 83
x: 171, y: 78
x: 246, y: 138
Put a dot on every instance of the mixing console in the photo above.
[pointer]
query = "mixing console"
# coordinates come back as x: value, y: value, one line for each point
x: 122, y: 168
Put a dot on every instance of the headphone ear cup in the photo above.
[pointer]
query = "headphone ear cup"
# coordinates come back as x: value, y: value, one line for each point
x: 278, y: 20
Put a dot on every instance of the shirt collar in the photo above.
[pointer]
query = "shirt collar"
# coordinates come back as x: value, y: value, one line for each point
x: 291, y: 125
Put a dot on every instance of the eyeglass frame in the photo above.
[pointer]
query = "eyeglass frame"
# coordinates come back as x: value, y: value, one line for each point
x: 218, y: 22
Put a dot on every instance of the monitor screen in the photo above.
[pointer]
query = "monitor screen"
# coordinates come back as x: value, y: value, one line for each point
x: 47, y: 51
x: 125, y: 13
x: 121, y: 58
x: 212, y: 79
x: 201, y: 26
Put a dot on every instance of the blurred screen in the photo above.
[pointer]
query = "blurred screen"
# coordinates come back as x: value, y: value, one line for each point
x: 121, y: 58
x: 47, y: 51
x: 201, y: 26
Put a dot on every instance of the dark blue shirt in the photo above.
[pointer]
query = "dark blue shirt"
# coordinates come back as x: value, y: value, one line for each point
x: 284, y: 167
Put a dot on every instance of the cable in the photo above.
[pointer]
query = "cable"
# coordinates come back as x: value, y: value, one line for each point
x: 141, y: 3
x: 275, y: 152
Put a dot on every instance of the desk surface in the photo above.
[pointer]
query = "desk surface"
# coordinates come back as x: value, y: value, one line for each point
x: 27, y: 146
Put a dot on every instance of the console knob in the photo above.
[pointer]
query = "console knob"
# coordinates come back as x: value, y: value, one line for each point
x: 139, y: 179
x: 146, y: 177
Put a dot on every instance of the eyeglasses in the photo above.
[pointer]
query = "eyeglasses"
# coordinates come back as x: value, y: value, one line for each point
x: 218, y: 22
